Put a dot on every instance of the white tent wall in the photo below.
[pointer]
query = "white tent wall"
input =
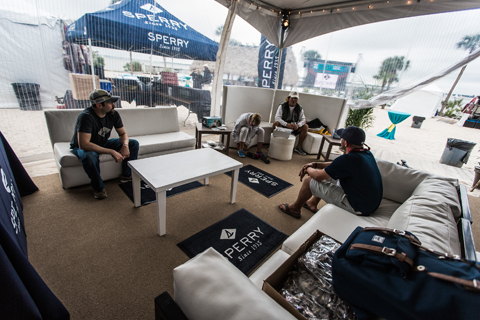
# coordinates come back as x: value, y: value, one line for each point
x: 422, y: 103
x: 31, y: 52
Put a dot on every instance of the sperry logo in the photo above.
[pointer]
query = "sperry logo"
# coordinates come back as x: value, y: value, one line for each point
x: 151, y: 8
x: 245, y: 246
x: 253, y: 180
x: 228, y: 234
x: 378, y: 239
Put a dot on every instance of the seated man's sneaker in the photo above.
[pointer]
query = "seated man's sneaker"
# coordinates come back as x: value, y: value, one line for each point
x: 100, y: 194
x: 125, y: 179
x: 300, y: 151
x: 241, y: 154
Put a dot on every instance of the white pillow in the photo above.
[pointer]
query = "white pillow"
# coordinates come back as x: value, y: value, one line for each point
x: 399, y: 182
x: 442, y: 191
x: 209, y: 287
x: 430, y: 221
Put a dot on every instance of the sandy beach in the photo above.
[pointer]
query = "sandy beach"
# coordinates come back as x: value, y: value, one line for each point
x: 422, y: 148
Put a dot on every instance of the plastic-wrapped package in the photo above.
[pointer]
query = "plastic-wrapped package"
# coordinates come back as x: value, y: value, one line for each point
x: 309, y: 287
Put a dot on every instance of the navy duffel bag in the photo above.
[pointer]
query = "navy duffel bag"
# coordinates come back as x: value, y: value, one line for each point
x: 387, y: 273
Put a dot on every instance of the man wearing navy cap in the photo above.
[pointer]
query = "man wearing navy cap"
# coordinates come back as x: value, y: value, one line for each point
x: 351, y: 181
x: 92, y: 130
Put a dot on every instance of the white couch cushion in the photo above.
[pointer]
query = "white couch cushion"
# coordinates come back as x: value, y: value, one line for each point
x: 268, y: 267
x: 155, y: 143
x: 168, y: 141
x: 431, y: 221
x: 399, y: 182
x: 441, y: 190
x: 66, y: 158
x: 210, y: 287
x: 338, y: 224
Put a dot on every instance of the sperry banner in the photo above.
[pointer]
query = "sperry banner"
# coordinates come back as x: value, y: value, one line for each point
x: 268, y: 58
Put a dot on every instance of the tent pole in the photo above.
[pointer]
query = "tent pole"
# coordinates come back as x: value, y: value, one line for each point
x: 91, y: 65
x: 151, y: 67
x: 131, y: 63
x: 220, y: 63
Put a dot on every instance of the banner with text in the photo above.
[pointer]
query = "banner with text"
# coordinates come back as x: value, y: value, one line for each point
x: 268, y: 57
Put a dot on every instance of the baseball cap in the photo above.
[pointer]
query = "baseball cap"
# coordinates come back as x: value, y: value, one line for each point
x: 294, y: 94
x: 353, y: 135
x: 99, y: 96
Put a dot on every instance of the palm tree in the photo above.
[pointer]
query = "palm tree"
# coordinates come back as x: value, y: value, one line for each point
x: 387, y: 73
x: 469, y: 43
x: 311, y: 55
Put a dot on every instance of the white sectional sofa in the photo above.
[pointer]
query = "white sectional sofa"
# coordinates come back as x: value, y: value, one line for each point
x: 435, y: 209
x: 156, y: 129
x: 238, y: 100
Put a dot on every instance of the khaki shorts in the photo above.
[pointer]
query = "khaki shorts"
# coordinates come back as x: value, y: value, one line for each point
x: 330, y: 191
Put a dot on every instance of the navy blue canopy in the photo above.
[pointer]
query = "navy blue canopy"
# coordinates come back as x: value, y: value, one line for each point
x: 142, y: 26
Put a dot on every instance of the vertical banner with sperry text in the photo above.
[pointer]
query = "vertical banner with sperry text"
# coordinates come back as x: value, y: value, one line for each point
x: 268, y: 57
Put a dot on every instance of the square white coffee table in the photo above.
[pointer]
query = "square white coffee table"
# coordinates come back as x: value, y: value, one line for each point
x: 172, y: 170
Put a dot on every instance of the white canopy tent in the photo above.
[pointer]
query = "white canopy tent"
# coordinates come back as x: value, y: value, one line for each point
x: 309, y: 19
x: 31, y: 52
x: 422, y: 103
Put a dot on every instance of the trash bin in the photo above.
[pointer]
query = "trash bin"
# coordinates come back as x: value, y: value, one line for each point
x: 457, y: 152
x: 28, y: 95
x: 417, y: 122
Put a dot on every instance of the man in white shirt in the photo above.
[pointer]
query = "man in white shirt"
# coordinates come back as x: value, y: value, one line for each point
x: 291, y: 115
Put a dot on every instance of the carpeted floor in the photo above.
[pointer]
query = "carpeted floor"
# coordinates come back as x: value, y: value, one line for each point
x: 105, y: 260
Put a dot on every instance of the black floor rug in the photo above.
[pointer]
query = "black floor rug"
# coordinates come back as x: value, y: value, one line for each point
x: 148, y: 195
x: 242, y: 238
x: 262, y: 182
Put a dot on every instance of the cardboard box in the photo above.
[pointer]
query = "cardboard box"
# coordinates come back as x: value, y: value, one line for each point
x: 211, y: 122
x: 282, y: 132
x: 276, y: 280
x: 82, y: 85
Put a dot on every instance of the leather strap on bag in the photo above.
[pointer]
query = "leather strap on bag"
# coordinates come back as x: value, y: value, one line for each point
x: 397, y: 232
x: 402, y: 257
x: 468, y: 284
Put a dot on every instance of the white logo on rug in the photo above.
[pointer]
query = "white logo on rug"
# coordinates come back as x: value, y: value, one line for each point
x: 151, y: 8
x: 253, y: 180
x: 228, y: 234
x: 378, y: 239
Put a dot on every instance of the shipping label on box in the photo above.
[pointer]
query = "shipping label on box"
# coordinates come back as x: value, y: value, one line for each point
x: 211, y: 122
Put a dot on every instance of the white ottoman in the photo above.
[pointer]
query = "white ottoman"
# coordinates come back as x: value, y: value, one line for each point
x: 281, y: 148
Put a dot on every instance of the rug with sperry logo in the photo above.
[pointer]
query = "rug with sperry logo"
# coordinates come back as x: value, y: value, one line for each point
x: 148, y: 195
x: 242, y: 238
x: 262, y: 182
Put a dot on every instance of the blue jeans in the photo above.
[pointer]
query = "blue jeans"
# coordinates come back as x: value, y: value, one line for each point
x: 91, y: 163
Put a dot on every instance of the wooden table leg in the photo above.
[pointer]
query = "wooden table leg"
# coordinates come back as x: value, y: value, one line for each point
x: 321, y: 147
x: 162, y: 212
x: 227, y: 146
x: 327, y: 155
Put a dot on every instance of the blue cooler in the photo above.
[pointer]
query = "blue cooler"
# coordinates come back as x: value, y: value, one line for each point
x: 106, y: 85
